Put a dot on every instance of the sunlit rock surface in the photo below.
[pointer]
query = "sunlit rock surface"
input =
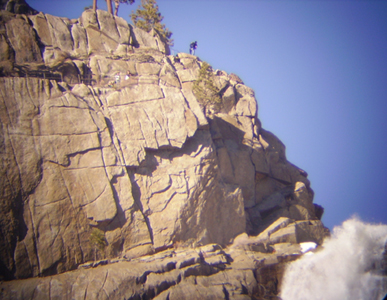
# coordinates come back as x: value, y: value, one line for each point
x: 143, y: 161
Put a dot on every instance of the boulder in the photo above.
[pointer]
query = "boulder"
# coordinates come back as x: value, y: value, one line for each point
x: 299, y: 232
x: 107, y: 25
x: 149, y: 40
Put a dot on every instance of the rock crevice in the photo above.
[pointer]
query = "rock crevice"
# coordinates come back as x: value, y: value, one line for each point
x: 143, y: 160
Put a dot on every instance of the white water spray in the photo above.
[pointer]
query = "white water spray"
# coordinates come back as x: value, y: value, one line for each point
x: 348, y: 267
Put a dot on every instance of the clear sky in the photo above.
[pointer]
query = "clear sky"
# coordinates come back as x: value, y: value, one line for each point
x: 319, y: 71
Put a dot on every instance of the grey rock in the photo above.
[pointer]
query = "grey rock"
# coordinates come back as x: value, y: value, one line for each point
x: 60, y: 33
x: 23, y: 41
x: 202, y: 273
x: 40, y: 24
x: 17, y: 7
x: 142, y: 160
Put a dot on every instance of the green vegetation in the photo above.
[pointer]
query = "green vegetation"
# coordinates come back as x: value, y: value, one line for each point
x: 147, y: 17
x: 204, y: 88
x: 98, y: 241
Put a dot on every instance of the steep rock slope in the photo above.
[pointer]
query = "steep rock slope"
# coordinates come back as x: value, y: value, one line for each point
x: 143, y: 160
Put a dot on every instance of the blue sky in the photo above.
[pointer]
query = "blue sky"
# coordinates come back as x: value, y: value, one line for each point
x: 319, y: 71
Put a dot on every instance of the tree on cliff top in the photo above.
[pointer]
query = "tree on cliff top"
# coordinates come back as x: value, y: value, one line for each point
x: 147, y: 17
x: 109, y: 5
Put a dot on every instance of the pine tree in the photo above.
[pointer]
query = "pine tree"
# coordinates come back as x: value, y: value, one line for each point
x: 204, y: 87
x: 148, y: 17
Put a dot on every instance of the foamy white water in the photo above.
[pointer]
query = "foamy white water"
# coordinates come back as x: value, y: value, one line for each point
x: 348, y: 266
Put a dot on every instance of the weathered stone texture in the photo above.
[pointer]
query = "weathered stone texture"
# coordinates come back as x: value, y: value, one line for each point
x: 207, y: 272
x: 142, y: 160
x: 23, y: 41
x: 137, y: 163
x: 42, y: 40
x: 17, y: 7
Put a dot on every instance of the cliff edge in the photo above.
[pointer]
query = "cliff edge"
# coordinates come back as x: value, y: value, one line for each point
x: 173, y: 157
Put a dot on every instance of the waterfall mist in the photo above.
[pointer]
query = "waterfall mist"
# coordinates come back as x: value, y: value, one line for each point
x: 349, y: 265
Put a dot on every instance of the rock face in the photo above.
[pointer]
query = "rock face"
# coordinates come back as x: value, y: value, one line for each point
x: 248, y: 269
x: 201, y: 273
x: 17, y: 7
x: 141, y: 160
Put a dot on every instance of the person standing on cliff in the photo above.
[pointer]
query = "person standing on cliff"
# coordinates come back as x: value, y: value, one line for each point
x: 192, y: 47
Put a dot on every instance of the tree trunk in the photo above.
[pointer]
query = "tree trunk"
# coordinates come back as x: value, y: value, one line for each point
x: 109, y: 6
x: 95, y: 5
x: 116, y: 5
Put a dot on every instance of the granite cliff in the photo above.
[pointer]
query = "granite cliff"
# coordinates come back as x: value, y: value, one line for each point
x: 170, y: 179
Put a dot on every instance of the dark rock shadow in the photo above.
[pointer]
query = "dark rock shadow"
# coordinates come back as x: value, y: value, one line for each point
x: 18, y: 7
x: 133, y: 38
x: 136, y: 193
x: 227, y: 136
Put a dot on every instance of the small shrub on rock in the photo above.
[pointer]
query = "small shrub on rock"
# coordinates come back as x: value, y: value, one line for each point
x: 204, y: 88
x: 98, y: 241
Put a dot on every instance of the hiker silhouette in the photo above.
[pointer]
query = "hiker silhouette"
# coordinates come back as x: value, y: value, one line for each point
x: 192, y: 47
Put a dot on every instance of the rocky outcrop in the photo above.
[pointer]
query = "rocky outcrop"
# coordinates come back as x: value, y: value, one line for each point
x: 17, y: 7
x: 246, y: 270
x: 143, y: 160
x: 44, y: 44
